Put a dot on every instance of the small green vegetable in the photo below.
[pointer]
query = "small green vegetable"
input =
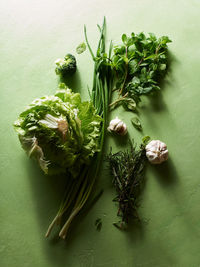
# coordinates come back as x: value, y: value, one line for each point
x: 60, y: 131
x: 67, y: 66
x: 136, y: 123
x: 81, y: 48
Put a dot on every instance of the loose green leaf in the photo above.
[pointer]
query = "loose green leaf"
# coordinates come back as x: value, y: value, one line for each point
x: 98, y: 224
x: 81, y: 48
x: 145, y: 140
x: 136, y: 123
x: 129, y: 104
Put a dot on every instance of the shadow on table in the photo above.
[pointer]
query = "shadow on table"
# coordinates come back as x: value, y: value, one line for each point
x: 156, y: 101
x: 166, y: 173
x: 120, y: 141
x: 47, y: 193
x: 167, y: 176
x: 73, y: 82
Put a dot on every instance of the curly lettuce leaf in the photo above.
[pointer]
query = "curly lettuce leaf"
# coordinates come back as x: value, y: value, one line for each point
x: 62, y: 131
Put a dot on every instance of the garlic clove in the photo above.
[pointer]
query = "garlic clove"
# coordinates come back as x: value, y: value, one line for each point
x: 118, y: 126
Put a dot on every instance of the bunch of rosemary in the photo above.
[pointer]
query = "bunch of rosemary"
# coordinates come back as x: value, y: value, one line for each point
x: 127, y: 170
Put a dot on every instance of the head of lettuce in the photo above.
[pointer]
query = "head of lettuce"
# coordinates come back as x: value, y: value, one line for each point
x: 60, y: 132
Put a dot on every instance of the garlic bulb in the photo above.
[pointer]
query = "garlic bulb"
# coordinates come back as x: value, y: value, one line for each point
x: 117, y: 126
x: 156, y: 152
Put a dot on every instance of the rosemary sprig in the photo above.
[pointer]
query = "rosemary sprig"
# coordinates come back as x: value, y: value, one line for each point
x: 127, y: 170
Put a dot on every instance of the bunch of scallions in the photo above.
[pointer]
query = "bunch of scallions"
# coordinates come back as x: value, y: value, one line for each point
x: 78, y: 190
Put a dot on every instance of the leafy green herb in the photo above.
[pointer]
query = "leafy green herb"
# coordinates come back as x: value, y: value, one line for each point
x: 145, y: 140
x: 136, y: 123
x: 81, y: 48
x: 139, y: 63
x: 98, y: 224
x: 127, y: 169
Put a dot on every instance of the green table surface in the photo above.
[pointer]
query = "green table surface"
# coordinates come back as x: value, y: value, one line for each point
x: 32, y: 35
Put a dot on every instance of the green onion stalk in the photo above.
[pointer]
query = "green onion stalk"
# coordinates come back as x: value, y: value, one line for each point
x: 79, y: 190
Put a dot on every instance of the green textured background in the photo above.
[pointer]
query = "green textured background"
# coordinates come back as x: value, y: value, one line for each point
x: 32, y: 35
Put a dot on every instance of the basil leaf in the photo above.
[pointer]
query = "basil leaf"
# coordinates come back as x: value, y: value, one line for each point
x: 136, y: 123
x: 81, y: 48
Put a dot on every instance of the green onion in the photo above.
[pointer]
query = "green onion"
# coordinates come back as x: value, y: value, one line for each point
x: 78, y: 190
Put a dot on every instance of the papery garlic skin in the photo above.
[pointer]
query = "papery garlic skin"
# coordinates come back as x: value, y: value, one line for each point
x: 118, y: 126
x: 156, y: 152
